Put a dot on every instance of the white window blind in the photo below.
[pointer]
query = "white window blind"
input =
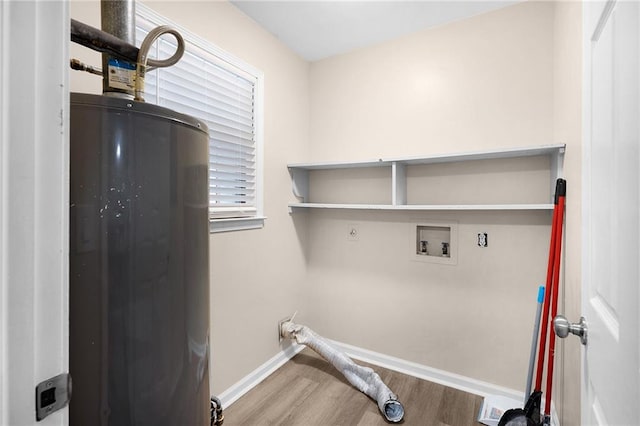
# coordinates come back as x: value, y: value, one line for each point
x: 223, y: 95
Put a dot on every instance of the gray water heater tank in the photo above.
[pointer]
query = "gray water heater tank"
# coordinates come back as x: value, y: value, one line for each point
x: 138, y: 266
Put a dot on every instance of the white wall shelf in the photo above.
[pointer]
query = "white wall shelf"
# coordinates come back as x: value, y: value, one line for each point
x: 422, y: 206
x: 398, y: 166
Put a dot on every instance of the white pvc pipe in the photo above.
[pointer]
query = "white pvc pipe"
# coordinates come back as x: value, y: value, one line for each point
x: 362, y: 378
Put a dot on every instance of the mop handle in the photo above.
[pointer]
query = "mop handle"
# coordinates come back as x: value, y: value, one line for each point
x: 561, y: 192
x: 534, y: 343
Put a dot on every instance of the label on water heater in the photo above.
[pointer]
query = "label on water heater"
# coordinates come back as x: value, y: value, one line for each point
x: 121, y: 74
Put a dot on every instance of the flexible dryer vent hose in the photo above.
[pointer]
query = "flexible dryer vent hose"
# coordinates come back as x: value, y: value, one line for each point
x: 362, y: 378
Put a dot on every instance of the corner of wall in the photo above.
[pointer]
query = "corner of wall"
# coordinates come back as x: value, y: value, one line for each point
x: 567, y: 129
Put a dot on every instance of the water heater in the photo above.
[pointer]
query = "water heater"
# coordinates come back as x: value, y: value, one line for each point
x: 139, y: 265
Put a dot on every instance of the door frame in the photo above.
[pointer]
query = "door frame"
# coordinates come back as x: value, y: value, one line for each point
x: 34, y: 174
x: 586, y: 194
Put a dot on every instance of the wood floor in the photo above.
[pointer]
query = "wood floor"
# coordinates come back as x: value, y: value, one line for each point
x: 309, y: 391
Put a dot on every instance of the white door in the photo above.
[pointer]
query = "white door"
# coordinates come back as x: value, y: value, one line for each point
x: 34, y: 146
x: 611, y: 256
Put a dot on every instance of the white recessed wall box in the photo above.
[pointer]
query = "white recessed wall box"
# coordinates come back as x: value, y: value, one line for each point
x: 434, y: 242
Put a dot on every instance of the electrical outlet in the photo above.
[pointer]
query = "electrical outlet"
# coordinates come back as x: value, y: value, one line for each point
x: 353, y: 232
x: 483, y: 239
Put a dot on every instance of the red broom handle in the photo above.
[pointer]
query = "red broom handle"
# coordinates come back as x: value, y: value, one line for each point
x: 554, y: 306
x: 544, y: 320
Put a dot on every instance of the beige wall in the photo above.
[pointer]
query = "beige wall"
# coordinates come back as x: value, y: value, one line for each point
x: 484, y: 82
x: 481, y: 83
x: 246, y: 302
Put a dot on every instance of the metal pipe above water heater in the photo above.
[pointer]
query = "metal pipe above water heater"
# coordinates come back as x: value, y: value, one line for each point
x: 123, y: 65
x: 118, y: 18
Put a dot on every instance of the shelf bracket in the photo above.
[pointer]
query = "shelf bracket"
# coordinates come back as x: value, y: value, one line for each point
x: 300, y: 183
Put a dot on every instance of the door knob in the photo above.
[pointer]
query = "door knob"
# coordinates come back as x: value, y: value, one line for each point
x: 563, y: 327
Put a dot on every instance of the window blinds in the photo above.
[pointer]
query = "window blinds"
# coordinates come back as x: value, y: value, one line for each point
x: 223, y: 96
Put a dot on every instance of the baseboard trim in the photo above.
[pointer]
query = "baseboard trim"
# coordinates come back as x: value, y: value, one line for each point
x: 250, y: 381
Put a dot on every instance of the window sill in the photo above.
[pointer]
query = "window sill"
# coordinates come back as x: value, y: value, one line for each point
x: 235, y: 224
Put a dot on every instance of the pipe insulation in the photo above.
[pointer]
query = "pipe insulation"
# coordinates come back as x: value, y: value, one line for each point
x: 362, y: 378
x: 101, y: 41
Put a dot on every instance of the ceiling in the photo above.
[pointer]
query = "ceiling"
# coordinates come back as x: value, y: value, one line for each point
x: 318, y: 29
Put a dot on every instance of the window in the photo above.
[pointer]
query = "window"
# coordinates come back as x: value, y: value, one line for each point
x: 226, y: 94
